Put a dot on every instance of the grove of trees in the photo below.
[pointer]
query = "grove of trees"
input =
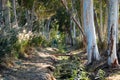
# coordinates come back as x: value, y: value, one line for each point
x: 89, y: 25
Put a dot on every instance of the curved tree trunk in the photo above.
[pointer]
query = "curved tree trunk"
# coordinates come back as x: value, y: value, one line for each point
x: 112, y: 32
x: 92, y: 48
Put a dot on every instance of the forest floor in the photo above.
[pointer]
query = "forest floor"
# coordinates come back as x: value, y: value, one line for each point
x: 48, y: 64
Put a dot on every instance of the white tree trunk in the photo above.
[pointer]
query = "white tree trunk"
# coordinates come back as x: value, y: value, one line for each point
x: 112, y: 32
x: 117, y: 40
x: 92, y: 48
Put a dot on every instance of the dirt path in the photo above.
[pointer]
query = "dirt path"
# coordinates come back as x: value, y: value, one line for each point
x: 41, y: 64
x: 38, y: 66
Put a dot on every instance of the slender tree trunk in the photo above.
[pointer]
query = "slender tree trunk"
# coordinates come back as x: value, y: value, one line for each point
x: 82, y: 18
x: 28, y: 19
x: 117, y: 40
x: 73, y: 18
x: 0, y: 13
x: 14, y: 10
x: 74, y: 33
x: 101, y: 21
x: 97, y: 27
x: 105, y: 23
x: 112, y: 32
x: 32, y: 16
x: 48, y: 28
x: 92, y: 48
x: 6, y: 14
x: 71, y: 31
x: 74, y: 11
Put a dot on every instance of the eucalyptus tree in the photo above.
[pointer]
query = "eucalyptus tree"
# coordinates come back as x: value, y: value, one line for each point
x: 89, y: 28
x: 112, y: 32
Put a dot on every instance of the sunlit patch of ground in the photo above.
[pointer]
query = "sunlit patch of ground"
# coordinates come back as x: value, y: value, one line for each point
x: 114, y: 77
x: 42, y: 62
x: 39, y: 66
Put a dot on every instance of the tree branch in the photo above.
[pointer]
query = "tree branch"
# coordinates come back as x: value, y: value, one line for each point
x: 74, y: 19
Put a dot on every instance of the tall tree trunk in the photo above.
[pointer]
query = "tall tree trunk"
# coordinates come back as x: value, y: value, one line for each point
x: 97, y: 27
x: 47, y: 28
x: 73, y: 30
x: 32, y: 16
x: 101, y: 21
x: 81, y: 5
x: 74, y: 34
x: 92, y: 48
x: 112, y: 32
x: 14, y: 11
x: 6, y: 13
x: 117, y: 40
x: 0, y: 13
x: 105, y: 23
x: 28, y: 19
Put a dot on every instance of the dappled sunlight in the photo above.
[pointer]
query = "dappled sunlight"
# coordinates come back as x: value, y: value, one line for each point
x: 59, y: 40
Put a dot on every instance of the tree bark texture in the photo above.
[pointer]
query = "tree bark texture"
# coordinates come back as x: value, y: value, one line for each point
x: 92, y: 48
x: 112, y: 32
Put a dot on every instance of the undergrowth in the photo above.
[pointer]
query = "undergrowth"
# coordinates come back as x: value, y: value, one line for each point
x: 73, y: 69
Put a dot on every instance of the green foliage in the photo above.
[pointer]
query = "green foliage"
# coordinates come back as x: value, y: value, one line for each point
x: 8, y: 3
x: 7, y: 41
x: 71, y: 70
x: 100, y: 75
x: 61, y: 43
x: 21, y: 17
x: 63, y: 19
x: 26, y: 3
x: 57, y: 38
x: 102, y: 46
x: 39, y: 41
x: 79, y: 43
x: 36, y: 41
x: 19, y: 48
x: 54, y: 30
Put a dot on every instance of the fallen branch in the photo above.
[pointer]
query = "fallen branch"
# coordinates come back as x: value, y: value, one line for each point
x: 57, y: 55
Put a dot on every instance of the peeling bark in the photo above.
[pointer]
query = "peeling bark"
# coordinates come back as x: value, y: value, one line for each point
x: 112, y: 33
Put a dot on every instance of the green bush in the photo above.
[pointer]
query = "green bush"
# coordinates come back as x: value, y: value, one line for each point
x: 6, y: 42
x: 39, y: 41
x: 19, y: 48
x: 100, y: 75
